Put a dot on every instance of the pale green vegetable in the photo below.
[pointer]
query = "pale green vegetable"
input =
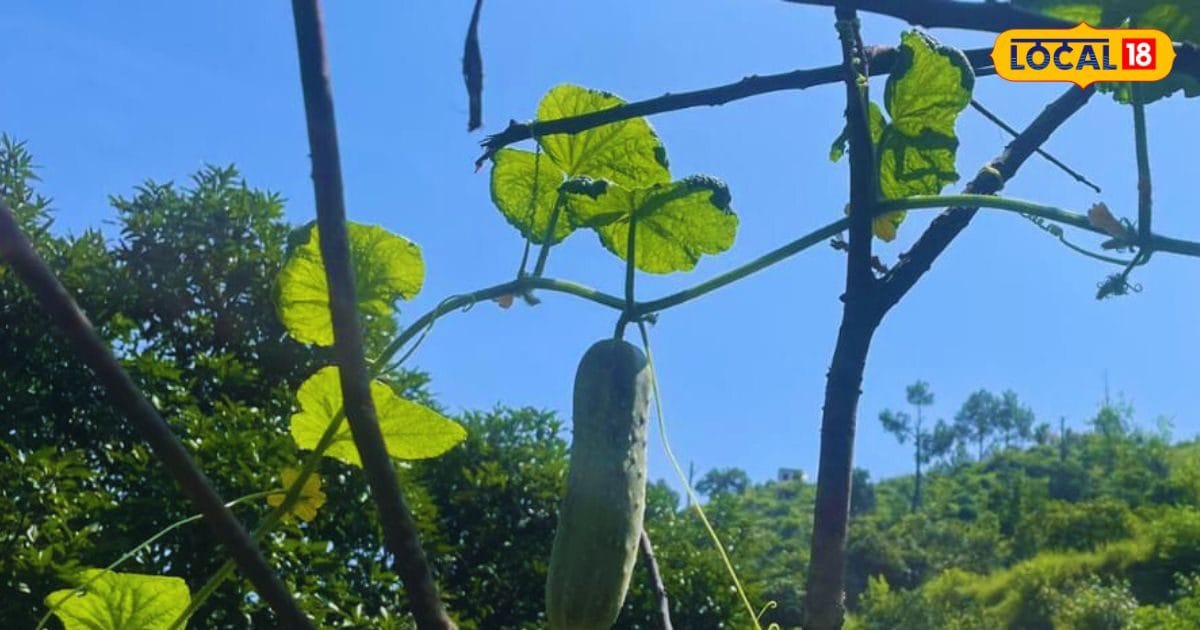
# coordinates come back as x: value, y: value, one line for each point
x: 600, y: 521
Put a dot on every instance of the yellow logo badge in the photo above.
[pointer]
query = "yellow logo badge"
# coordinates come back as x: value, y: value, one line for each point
x: 1083, y: 55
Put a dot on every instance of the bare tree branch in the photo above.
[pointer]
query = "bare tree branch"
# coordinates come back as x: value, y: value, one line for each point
x: 16, y: 250
x: 656, y: 581
x: 399, y: 530
x: 824, y: 599
x: 880, y: 60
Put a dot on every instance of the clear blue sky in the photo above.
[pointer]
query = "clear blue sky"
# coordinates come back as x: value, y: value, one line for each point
x: 110, y: 95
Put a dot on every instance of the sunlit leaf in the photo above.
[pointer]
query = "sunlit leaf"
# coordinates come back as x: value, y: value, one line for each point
x: 626, y: 152
x: 121, y: 601
x: 676, y: 222
x: 387, y: 267
x: 311, y: 497
x: 912, y: 166
x: 929, y: 85
x: 410, y: 430
x: 513, y: 185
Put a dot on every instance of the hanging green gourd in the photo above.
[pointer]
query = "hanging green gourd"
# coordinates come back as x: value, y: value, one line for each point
x: 600, y: 521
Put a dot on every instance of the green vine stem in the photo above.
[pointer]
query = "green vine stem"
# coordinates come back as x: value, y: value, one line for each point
x: 997, y: 203
x: 627, y: 313
x: 768, y: 259
x: 548, y: 237
x: 819, y: 235
x: 1152, y: 242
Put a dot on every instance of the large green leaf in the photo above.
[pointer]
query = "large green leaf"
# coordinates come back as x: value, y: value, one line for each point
x: 513, y: 185
x: 676, y: 222
x: 927, y: 89
x: 912, y: 166
x: 121, y: 601
x: 387, y: 267
x: 929, y: 85
x: 1179, y: 19
x: 626, y: 152
x: 410, y: 430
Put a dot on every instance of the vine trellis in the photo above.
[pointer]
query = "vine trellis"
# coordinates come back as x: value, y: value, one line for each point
x: 588, y: 200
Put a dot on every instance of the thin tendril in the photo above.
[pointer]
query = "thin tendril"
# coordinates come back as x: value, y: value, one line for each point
x: 662, y: 432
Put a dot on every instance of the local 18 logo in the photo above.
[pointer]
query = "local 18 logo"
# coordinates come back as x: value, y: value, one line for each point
x: 1083, y: 55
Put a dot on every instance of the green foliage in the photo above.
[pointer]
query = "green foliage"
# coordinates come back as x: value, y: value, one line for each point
x: 627, y: 153
x: 883, y: 608
x: 387, y: 268
x: 929, y: 85
x: 121, y: 601
x: 723, y: 481
x: 48, y: 500
x: 609, y: 179
x: 927, y: 88
x: 676, y: 222
x: 1084, y: 526
x: 17, y: 177
x: 525, y: 185
x: 499, y: 490
x: 986, y: 420
x: 410, y: 430
x: 1093, y: 605
x: 184, y: 295
x: 1181, y: 614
